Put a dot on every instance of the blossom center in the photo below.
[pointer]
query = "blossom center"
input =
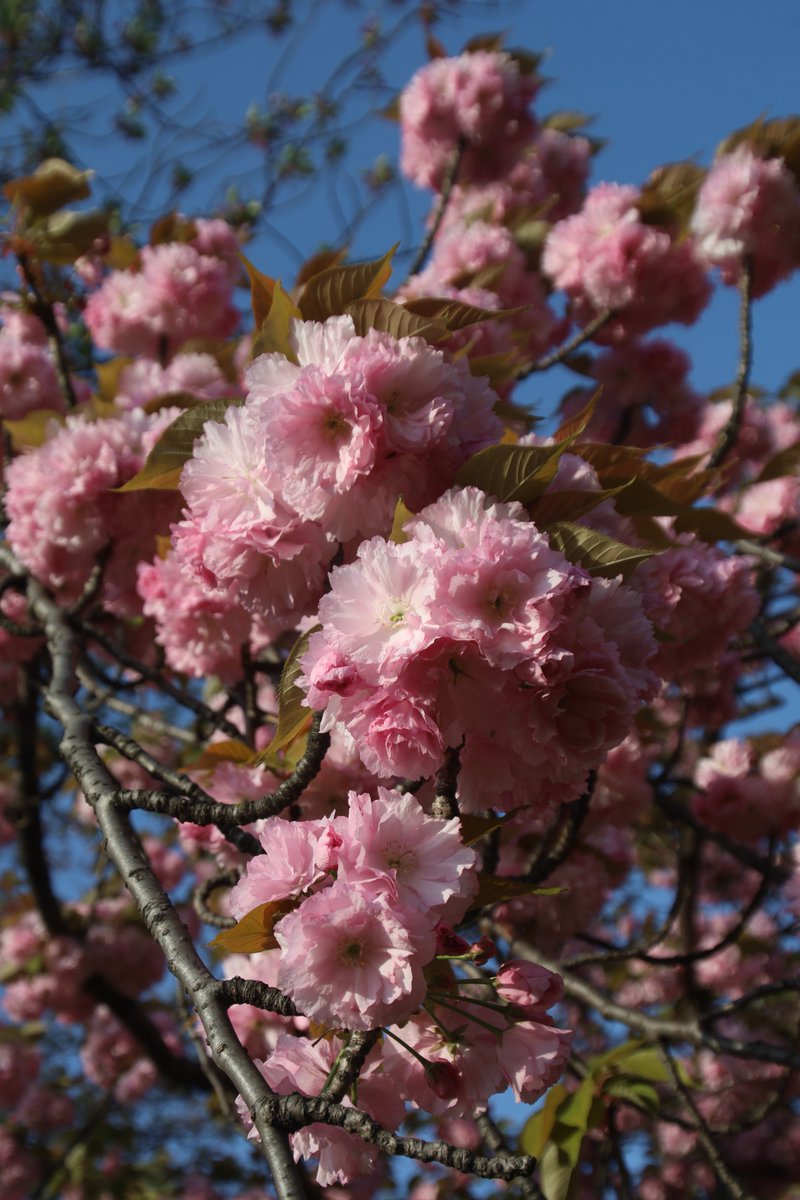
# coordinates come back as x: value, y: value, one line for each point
x: 400, y: 857
x: 352, y: 953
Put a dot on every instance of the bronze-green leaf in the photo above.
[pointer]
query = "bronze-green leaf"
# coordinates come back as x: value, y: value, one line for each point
x: 569, y: 505
x: 33, y: 429
x: 255, y: 931
x: 273, y: 336
x: 511, y: 472
x: 396, y: 319
x: 227, y: 750
x: 329, y: 293
x: 473, y: 828
x: 53, y: 184
x: 785, y: 462
x: 319, y: 262
x: 172, y: 227
x: 294, y: 715
x: 598, y: 554
x: 667, y: 198
x: 261, y: 289
x: 455, y: 315
x: 65, y: 236
x: 162, y: 471
x: 494, y: 889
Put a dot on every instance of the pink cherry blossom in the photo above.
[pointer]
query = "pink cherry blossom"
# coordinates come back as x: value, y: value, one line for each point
x: 749, y: 207
x: 353, y: 956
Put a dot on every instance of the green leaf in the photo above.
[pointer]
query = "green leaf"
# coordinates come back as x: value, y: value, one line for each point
x: 165, y: 461
x: 254, y: 932
x: 598, y: 554
x: 536, y: 1130
x: 53, y: 184
x: 569, y: 505
x: 455, y: 315
x: 564, y: 1130
x: 615, y: 1054
x: 332, y: 290
x: 396, y: 319
x: 402, y: 516
x: 637, y: 1091
x: 555, y: 1172
x: 65, y: 236
x: 273, y: 336
x: 493, y: 889
x: 293, y: 714
x: 575, y: 1110
x: 511, y: 472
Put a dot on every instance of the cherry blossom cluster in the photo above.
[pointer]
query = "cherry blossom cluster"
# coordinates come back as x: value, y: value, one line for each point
x: 28, y: 376
x: 748, y: 210
x: 478, y: 100
x: 372, y: 887
x: 178, y: 291
x: 475, y: 634
x: 318, y: 454
x: 494, y: 717
x: 63, y: 509
x: 607, y: 257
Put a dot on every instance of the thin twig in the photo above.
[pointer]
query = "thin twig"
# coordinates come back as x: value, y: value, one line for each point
x: 704, y: 1136
x: 561, y: 838
x: 730, y: 432
x: 448, y: 183
x: 773, y: 650
x: 566, y: 348
x: 202, y: 894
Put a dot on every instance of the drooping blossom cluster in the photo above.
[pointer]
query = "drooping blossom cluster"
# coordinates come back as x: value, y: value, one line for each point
x: 64, y: 511
x: 607, y: 257
x: 317, y: 454
x: 549, y: 178
x: 145, y: 380
x: 340, y: 961
x: 28, y: 376
x: 479, y: 101
x: 177, y: 293
x: 646, y: 398
x: 353, y: 949
x: 489, y: 254
x: 748, y: 210
x: 417, y: 636
x: 700, y: 598
x: 745, y: 797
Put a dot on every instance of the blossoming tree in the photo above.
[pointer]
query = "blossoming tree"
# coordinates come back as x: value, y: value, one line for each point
x: 411, y: 739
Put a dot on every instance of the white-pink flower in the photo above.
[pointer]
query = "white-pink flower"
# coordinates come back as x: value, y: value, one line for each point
x: 432, y: 868
x: 353, y: 957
